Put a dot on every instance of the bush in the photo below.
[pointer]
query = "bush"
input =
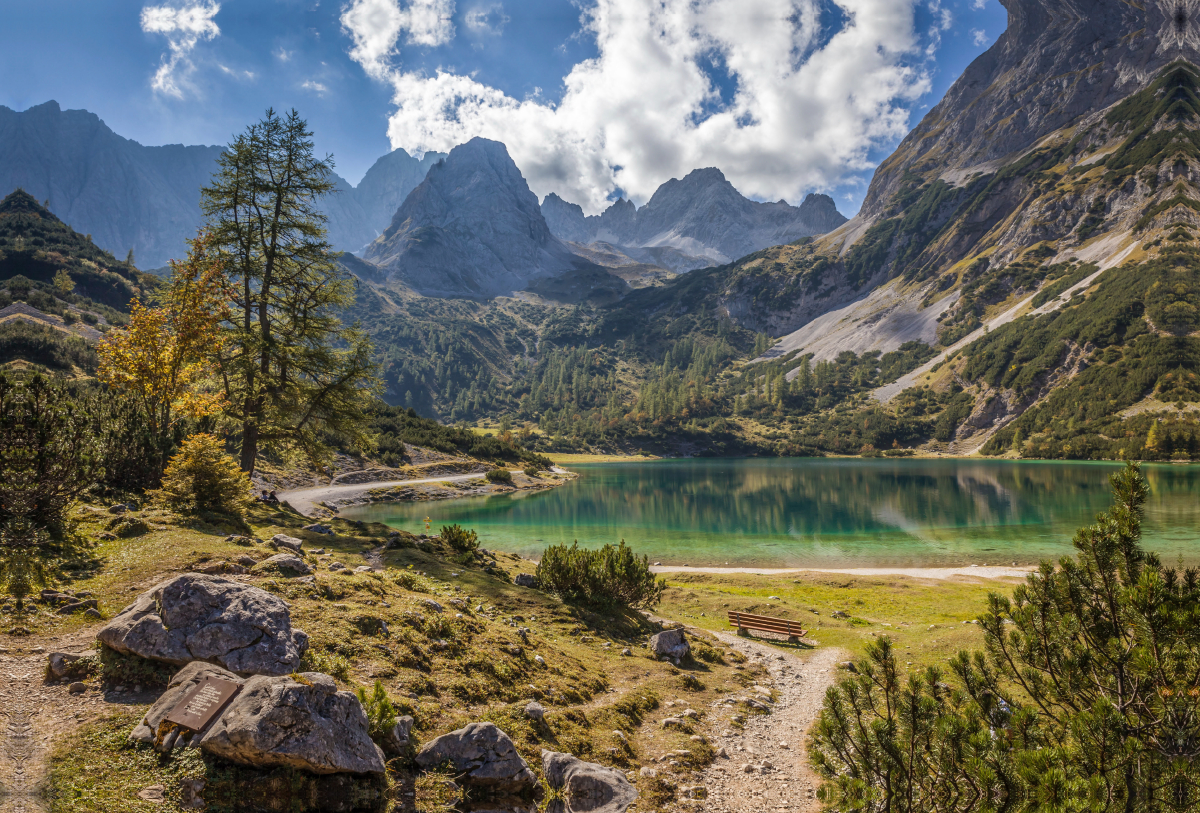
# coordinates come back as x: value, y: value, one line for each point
x: 329, y: 663
x: 503, y: 476
x: 202, y: 477
x: 610, y: 577
x: 460, y: 539
x: 532, y: 471
x: 381, y: 714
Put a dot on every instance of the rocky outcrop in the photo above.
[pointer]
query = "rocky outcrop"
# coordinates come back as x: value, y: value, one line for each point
x: 671, y: 645
x: 702, y: 216
x: 586, y: 786
x: 298, y: 722
x: 186, y: 679
x: 472, y: 228
x: 483, y: 758
x: 197, y: 617
x: 1058, y: 61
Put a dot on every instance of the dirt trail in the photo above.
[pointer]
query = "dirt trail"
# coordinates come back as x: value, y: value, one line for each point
x: 742, y: 782
x: 23, y: 750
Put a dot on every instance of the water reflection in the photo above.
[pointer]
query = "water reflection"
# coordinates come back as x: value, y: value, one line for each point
x: 822, y: 513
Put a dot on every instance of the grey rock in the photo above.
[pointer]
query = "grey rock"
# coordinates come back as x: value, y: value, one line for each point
x: 60, y: 663
x: 535, y: 711
x: 287, y: 542
x: 485, y: 758
x: 586, y: 786
x: 525, y: 580
x: 181, y: 683
x: 670, y: 644
x: 397, y: 739
x: 306, y: 724
x: 207, y: 618
x: 77, y: 688
x: 286, y: 564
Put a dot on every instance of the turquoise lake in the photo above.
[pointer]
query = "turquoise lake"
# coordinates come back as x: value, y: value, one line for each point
x: 820, y: 513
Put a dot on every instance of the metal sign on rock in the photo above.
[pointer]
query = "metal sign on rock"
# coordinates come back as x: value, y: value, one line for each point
x: 201, y: 705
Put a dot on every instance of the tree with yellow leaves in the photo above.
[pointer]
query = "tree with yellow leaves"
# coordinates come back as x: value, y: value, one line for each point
x: 162, y: 358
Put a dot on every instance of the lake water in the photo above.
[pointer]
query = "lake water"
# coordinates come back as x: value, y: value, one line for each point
x: 820, y: 513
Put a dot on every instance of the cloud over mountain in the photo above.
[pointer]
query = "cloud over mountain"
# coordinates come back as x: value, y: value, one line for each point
x: 783, y: 95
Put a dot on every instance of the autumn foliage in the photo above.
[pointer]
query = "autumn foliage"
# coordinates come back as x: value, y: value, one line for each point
x: 162, y: 358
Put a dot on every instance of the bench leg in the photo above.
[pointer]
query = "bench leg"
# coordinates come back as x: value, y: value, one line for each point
x: 793, y: 639
x: 743, y: 632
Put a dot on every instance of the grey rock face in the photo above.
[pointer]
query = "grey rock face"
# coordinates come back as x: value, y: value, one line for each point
x: 670, y: 644
x: 472, y: 228
x: 289, y: 542
x: 127, y: 195
x: 197, y: 617
x: 586, y: 786
x: 310, y: 725
x: 1057, y: 61
x: 703, y: 216
x: 484, y: 756
x: 398, y: 738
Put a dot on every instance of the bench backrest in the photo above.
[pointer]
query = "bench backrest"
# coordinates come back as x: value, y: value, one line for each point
x: 765, y: 623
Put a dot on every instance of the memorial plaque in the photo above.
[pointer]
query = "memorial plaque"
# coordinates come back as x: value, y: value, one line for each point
x: 201, y: 705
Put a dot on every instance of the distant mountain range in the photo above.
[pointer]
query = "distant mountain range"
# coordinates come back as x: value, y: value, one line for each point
x: 703, y: 217
x: 129, y: 196
x: 474, y: 228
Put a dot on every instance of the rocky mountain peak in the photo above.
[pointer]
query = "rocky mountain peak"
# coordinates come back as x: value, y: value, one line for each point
x: 1059, y: 60
x: 472, y: 227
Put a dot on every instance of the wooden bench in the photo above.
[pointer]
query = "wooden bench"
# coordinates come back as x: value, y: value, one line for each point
x: 764, y: 623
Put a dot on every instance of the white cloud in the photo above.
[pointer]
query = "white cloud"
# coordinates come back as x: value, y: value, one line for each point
x: 489, y: 19
x: 315, y: 86
x: 282, y: 54
x: 184, y: 26
x: 236, y: 74
x: 979, y: 5
x: 979, y: 37
x: 376, y: 26
x: 807, y: 107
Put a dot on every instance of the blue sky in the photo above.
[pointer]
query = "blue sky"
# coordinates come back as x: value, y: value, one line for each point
x: 641, y: 109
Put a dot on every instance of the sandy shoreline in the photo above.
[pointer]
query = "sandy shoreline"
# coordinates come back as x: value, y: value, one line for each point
x: 968, y: 571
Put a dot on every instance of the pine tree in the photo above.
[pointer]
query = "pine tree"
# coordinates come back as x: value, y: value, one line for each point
x: 292, y: 372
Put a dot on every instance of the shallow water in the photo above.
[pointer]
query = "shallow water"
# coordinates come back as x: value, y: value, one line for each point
x: 820, y: 513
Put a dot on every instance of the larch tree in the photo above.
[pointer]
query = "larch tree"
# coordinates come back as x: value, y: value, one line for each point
x: 292, y: 373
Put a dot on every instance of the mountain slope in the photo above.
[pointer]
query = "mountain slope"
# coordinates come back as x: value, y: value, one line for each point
x: 129, y: 196
x: 473, y: 228
x: 702, y: 216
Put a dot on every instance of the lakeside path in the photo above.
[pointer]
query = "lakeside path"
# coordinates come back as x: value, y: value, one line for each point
x: 305, y: 500
x: 970, y: 571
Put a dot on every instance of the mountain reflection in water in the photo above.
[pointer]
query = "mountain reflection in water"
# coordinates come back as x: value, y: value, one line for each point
x: 820, y: 513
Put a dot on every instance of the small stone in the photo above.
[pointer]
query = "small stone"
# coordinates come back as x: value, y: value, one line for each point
x: 648, y: 773
x: 77, y: 688
x: 627, y: 652
x: 433, y: 605
x: 535, y: 711
x: 153, y: 794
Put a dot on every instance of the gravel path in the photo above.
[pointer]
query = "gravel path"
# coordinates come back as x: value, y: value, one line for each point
x: 766, y: 766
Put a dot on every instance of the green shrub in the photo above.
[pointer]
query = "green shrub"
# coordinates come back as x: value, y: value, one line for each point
x: 202, y: 477
x: 609, y: 577
x: 532, y: 471
x: 329, y: 663
x: 503, y: 476
x: 460, y: 539
x: 381, y: 714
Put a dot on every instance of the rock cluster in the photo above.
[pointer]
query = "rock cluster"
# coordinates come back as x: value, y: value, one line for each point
x: 297, y: 721
x: 671, y: 645
x: 586, y: 786
x: 197, y: 617
x: 483, y: 757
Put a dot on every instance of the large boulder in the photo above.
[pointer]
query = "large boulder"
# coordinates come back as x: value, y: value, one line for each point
x: 198, y: 617
x: 302, y: 722
x: 586, y: 786
x: 670, y: 644
x: 482, y: 757
x: 186, y: 679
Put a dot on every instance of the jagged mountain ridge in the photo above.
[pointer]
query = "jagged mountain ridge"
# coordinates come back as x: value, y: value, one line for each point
x: 702, y: 216
x: 473, y: 228
x: 130, y: 196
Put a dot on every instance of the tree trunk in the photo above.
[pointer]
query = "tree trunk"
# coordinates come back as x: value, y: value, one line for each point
x: 249, y: 447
